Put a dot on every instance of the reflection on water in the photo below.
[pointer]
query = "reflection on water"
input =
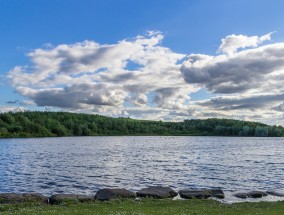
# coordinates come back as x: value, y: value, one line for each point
x: 84, y: 164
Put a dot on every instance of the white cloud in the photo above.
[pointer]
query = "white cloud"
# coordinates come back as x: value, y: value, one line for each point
x: 4, y: 109
x: 142, y: 79
x: 95, y: 77
x: 245, y: 82
x: 232, y: 43
x: 27, y: 102
x: 279, y: 107
x: 255, y: 69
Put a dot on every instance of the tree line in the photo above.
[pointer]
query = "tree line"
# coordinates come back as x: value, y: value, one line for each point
x: 58, y: 124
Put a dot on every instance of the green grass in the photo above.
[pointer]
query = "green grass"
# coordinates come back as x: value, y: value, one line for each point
x: 146, y: 206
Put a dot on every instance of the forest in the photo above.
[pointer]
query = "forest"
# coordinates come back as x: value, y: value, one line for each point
x: 58, y: 124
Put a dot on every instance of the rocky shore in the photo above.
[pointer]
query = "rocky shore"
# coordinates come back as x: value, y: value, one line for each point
x: 158, y: 192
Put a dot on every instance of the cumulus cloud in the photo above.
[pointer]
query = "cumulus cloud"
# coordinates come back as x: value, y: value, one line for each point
x: 141, y: 78
x: 101, y: 78
x: 243, y: 81
x: 27, y: 102
x: 255, y: 68
x: 279, y: 107
x: 232, y: 43
x: 251, y: 102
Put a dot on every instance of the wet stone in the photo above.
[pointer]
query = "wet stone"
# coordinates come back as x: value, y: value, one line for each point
x: 201, y: 193
x: 240, y: 195
x: 256, y: 194
x: 157, y: 192
x: 107, y: 194
x: 7, y: 198
x: 251, y: 194
x: 62, y: 198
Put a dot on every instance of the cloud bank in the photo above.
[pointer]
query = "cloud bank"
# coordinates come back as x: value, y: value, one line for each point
x: 141, y: 78
x: 128, y: 77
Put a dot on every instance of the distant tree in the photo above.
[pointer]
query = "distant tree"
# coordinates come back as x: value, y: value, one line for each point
x: 77, y: 131
x: 261, y: 131
x: 4, y: 132
x: 7, y: 118
x: 245, y: 130
x: 45, y: 124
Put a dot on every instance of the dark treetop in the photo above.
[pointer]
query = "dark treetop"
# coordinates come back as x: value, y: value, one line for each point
x: 55, y: 124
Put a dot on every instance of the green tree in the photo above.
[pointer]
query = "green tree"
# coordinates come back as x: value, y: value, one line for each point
x: 261, y: 131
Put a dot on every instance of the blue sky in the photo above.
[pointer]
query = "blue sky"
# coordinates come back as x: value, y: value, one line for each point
x: 180, y: 28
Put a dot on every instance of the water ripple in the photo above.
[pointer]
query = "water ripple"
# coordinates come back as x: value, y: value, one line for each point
x: 85, y: 164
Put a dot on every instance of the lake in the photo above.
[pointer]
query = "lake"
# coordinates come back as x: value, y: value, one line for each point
x: 82, y: 165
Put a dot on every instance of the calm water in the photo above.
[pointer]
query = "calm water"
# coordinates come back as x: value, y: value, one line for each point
x: 85, y: 164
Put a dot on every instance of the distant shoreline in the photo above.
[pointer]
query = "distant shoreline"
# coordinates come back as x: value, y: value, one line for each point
x: 32, y: 124
x: 2, y: 138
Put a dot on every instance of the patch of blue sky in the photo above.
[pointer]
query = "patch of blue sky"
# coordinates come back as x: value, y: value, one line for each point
x: 201, y: 94
x: 151, y: 96
x: 127, y: 102
x: 180, y: 61
x: 133, y: 66
x: 8, y: 94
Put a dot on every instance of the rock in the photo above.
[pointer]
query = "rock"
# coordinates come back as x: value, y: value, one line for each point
x: 241, y: 195
x: 107, y: 194
x: 274, y: 193
x: 6, y: 198
x: 189, y: 194
x: 202, y: 193
x: 158, y: 192
x: 251, y: 194
x: 61, y: 198
x: 256, y: 194
x: 218, y: 193
x: 35, y: 197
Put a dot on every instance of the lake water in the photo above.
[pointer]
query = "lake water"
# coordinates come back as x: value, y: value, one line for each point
x: 83, y: 165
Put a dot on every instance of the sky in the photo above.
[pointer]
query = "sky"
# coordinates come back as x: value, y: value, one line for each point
x: 159, y: 60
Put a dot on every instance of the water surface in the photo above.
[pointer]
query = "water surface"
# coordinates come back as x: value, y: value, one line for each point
x: 85, y: 164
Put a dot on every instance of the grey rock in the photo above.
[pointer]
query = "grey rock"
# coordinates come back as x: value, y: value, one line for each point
x: 37, y: 197
x: 218, y: 193
x: 201, y: 193
x: 241, y: 195
x: 251, y: 194
x: 107, y: 194
x: 256, y: 194
x: 274, y: 193
x: 63, y: 198
x: 6, y: 198
x: 157, y: 192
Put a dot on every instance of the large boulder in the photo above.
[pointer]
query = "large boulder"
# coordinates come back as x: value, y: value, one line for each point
x: 158, y: 192
x: 251, y: 194
x: 63, y: 198
x: 107, y: 194
x: 201, y: 193
x: 6, y: 198
x: 274, y: 193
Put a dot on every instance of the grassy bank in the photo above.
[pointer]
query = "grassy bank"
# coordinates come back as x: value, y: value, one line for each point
x: 146, y: 206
